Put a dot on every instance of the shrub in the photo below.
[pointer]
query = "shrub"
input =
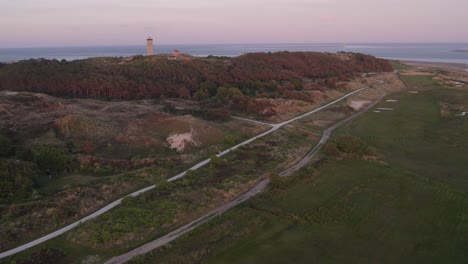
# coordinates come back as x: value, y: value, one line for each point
x: 218, y: 114
x: 88, y: 147
x: 276, y: 181
x: 127, y: 200
x: 217, y: 161
x: 17, y: 179
x: 331, y: 149
x: 224, y: 93
x: 231, y: 140
x: 209, y: 87
x: 164, y: 186
x: 53, y: 160
x: 6, y: 147
x: 103, y: 171
x: 352, y: 145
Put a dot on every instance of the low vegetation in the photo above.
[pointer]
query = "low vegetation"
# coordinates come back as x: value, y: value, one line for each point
x: 62, y: 159
x: 171, y: 205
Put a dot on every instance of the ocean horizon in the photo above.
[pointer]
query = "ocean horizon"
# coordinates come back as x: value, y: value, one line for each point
x: 429, y: 52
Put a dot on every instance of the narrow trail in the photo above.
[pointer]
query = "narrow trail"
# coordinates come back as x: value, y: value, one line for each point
x: 252, y: 121
x: 326, y: 135
x: 259, y: 187
x: 197, y: 166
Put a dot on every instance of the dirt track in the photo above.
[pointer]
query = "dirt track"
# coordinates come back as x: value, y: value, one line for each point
x: 259, y: 187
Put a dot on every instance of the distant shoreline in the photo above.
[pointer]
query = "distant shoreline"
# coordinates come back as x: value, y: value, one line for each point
x: 460, y: 50
x: 441, y: 52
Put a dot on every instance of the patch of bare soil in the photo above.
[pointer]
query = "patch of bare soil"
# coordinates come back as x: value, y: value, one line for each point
x: 179, y: 141
x: 358, y: 105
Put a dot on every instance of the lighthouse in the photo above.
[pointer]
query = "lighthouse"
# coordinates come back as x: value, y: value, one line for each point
x: 149, y: 46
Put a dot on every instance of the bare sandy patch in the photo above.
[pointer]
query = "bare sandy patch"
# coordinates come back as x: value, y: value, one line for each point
x: 180, y: 141
x: 358, y: 105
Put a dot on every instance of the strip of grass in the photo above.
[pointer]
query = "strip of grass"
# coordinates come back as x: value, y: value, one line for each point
x: 397, y: 65
x: 421, y: 81
x: 379, y: 215
x: 417, y: 137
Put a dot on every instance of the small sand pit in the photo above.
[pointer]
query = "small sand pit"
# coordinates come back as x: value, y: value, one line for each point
x: 463, y: 113
x: 376, y: 111
x: 179, y: 141
x: 357, y: 105
x: 385, y: 109
x: 413, y: 92
x: 392, y: 101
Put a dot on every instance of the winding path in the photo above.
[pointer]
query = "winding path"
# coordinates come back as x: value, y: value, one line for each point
x: 259, y: 187
x: 325, y: 137
x: 199, y: 165
x: 253, y: 121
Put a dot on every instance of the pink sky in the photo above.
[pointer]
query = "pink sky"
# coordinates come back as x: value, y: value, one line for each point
x: 33, y: 23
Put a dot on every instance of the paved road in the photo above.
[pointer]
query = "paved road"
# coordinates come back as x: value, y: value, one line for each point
x: 255, y: 190
x: 199, y: 165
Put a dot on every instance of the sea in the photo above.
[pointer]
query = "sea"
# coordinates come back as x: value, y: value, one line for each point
x: 431, y: 52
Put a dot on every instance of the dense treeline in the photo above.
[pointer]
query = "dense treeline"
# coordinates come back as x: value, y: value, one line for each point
x: 197, y: 78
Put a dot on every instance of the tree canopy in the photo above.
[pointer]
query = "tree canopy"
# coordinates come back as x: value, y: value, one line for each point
x: 197, y: 78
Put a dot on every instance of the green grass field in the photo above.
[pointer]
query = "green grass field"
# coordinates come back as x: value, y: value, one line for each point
x: 397, y: 65
x: 409, y: 206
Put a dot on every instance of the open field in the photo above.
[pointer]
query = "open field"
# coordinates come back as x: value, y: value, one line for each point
x: 423, y: 134
x: 408, y: 206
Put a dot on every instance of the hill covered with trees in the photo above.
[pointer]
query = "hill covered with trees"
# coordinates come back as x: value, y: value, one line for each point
x: 280, y: 74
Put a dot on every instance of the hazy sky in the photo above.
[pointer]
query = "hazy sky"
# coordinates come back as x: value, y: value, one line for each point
x: 35, y: 23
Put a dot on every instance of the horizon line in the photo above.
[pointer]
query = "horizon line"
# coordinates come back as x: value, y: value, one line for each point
x: 236, y: 43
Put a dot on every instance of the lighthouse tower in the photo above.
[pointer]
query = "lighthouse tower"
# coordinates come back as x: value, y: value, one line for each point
x: 149, y: 46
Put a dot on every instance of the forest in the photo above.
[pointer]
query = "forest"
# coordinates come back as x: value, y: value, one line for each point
x: 279, y: 74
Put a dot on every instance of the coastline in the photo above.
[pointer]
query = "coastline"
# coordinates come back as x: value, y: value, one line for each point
x: 441, y: 52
